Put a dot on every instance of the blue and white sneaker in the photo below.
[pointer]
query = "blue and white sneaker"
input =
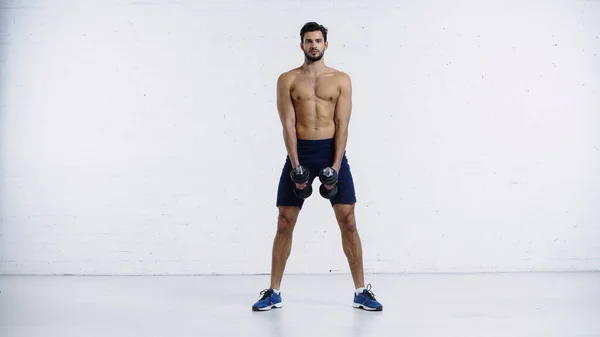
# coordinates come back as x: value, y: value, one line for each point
x: 268, y: 300
x: 366, y: 300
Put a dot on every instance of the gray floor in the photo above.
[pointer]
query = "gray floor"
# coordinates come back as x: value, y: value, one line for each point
x: 482, y: 305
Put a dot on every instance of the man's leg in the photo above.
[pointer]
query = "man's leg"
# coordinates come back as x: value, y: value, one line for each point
x: 351, y: 244
x: 289, y: 207
x: 343, y: 204
x: 363, y: 297
x: 282, y: 244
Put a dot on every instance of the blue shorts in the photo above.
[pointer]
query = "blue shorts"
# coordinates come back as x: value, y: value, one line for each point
x: 315, y: 155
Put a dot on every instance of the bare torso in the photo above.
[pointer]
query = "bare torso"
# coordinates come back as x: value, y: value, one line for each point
x: 314, y: 99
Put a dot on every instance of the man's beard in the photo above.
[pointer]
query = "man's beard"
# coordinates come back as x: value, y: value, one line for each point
x: 313, y: 58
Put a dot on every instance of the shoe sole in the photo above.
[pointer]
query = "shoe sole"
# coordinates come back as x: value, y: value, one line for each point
x: 273, y: 306
x: 360, y: 306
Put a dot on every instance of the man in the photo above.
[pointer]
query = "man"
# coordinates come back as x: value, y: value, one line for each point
x: 314, y: 103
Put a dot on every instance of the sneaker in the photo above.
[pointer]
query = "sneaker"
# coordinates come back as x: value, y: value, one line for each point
x: 366, y: 300
x: 268, y: 300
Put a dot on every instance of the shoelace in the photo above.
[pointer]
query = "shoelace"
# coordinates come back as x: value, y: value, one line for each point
x: 265, y: 293
x: 369, y: 293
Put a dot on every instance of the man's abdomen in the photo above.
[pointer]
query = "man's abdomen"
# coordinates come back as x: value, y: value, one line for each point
x: 315, y: 122
x: 315, y: 132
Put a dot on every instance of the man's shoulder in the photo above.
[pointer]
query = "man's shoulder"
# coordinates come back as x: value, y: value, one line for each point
x: 339, y: 74
x: 287, y: 76
x: 341, y: 77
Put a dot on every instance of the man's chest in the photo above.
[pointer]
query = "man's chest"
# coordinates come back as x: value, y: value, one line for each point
x: 314, y: 88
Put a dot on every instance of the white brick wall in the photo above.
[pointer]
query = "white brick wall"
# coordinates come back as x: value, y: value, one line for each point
x: 142, y: 137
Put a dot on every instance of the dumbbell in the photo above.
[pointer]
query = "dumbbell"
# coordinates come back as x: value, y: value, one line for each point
x: 328, y: 176
x: 300, y: 175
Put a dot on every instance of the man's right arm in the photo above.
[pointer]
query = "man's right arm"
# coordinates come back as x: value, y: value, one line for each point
x: 287, y: 114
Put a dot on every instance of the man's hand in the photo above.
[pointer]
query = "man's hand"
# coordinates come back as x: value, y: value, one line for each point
x: 300, y: 176
x: 336, y: 168
x: 301, y: 186
x: 329, y: 178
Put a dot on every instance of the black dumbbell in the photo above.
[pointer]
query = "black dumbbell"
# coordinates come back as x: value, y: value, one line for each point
x: 300, y: 175
x: 328, y: 176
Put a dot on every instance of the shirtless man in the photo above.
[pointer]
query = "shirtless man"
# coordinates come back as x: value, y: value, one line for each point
x: 314, y: 103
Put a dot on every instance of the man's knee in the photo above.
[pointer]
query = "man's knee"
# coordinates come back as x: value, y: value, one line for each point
x: 345, y: 217
x: 348, y: 224
x: 286, y: 220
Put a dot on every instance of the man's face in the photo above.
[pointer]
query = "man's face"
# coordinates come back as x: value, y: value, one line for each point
x: 314, y: 45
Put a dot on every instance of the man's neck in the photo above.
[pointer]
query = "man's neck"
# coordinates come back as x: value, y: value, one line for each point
x: 314, y: 68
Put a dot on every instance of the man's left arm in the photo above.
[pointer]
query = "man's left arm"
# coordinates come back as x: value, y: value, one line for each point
x: 343, y: 110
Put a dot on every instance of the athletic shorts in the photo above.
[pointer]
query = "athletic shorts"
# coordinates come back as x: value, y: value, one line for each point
x: 316, y: 155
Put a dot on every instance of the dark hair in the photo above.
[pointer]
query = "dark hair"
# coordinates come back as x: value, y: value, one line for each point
x: 312, y: 27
